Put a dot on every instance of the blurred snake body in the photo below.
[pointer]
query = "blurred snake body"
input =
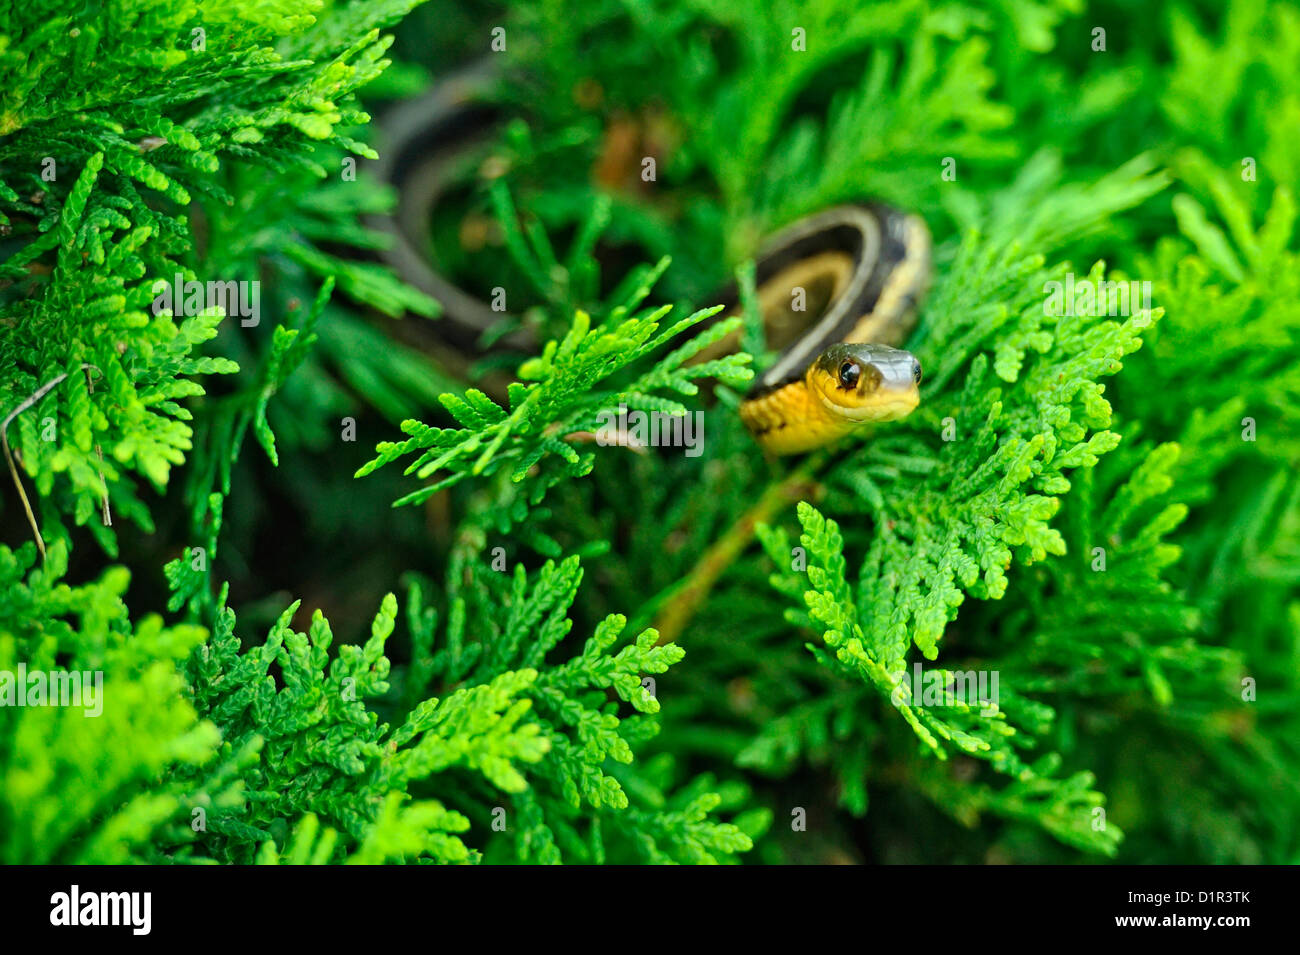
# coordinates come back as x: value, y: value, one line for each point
x: 867, y: 266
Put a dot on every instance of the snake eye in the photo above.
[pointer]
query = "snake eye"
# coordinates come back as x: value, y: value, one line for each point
x: 916, y: 371
x: 849, y: 374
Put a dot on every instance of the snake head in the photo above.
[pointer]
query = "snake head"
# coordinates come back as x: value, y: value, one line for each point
x: 866, y: 382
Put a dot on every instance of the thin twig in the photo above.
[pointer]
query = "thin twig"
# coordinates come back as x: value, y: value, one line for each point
x: 691, y: 592
x: 36, y: 396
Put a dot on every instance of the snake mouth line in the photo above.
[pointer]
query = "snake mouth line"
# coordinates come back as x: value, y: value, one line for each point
x: 878, y: 409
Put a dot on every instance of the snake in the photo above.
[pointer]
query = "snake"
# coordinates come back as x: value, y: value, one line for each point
x: 843, y: 286
x: 838, y: 290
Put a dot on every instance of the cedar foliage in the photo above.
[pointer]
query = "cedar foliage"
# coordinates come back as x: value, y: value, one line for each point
x: 555, y: 651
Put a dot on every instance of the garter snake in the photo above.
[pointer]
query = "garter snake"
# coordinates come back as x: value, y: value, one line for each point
x: 867, y: 267
x: 860, y: 271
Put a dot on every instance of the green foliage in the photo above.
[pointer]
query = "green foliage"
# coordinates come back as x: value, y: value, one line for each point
x: 563, y: 401
x: 604, y: 655
x: 79, y: 788
x: 180, y: 95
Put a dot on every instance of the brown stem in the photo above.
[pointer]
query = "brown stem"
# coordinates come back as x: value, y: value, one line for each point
x: 691, y: 592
